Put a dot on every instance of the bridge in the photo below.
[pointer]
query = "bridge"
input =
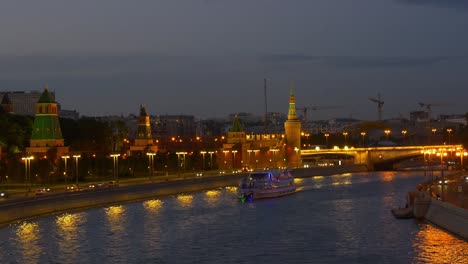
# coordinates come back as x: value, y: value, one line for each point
x: 381, y: 158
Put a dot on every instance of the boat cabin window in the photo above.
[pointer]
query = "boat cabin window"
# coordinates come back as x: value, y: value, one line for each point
x: 260, y: 176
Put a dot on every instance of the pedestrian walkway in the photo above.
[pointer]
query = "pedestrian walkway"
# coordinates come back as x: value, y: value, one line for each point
x: 452, y: 188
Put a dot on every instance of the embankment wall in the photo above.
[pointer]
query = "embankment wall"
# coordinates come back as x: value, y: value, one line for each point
x: 449, y: 217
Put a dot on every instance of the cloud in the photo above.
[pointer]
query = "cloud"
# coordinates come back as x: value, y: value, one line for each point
x: 357, y: 61
x: 438, y: 3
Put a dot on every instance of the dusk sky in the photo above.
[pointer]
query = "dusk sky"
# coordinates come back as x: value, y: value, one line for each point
x: 208, y: 58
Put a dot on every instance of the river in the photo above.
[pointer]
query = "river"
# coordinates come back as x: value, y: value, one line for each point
x: 334, y: 219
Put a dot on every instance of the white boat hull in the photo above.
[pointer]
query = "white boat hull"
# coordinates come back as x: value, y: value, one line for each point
x: 267, y: 193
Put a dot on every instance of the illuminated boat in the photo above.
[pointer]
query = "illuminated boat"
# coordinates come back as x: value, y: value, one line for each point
x: 266, y: 184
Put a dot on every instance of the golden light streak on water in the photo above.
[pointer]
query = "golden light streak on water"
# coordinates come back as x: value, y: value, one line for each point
x: 232, y: 189
x: 318, y: 177
x: 185, y: 200
x: 298, y: 180
x: 115, y: 217
x: 212, y: 197
x: 68, y: 230
x: 433, y: 245
x: 387, y: 176
x: 341, y: 182
x: 27, y: 232
x: 68, y: 222
x: 28, y: 237
x: 212, y: 193
x: 153, y: 205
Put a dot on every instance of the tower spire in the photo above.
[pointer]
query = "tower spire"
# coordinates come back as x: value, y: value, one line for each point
x: 292, y: 115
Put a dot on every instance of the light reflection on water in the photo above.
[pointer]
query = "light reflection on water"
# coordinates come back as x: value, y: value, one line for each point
x: 335, y: 219
x: 67, y: 230
x: 27, y: 236
x: 433, y: 245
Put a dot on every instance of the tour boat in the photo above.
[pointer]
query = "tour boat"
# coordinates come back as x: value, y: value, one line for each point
x: 266, y: 184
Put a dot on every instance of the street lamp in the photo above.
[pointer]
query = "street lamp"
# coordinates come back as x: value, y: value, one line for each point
x: 234, y: 160
x: 387, y: 133
x: 462, y: 154
x: 115, y: 165
x: 27, y: 171
x: 297, y: 158
x: 404, y: 132
x: 449, y: 131
x: 274, y: 155
x: 211, y: 159
x: 203, y: 157
x: 345, y: 134
x: 225, y: 157
x: 76, y: 157
x: 183, y: 158
x: 326, y: 138
x: 363, y: 134
x: 249, y: 152
x: 65, y: 168
x: 151, y: 162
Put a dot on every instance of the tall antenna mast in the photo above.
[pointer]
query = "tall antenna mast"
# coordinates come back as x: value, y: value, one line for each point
x: 266, y: 106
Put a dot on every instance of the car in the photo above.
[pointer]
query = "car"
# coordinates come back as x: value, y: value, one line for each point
x: 443, y: 181
x: 92, y: 186
x: 42, y: 191
x: 199, y: 174
x: 3, y: 195
x: 112, y: 184
x: 71, y: 188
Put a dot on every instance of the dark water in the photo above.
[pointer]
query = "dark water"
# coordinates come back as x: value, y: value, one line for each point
x: 335, y: 219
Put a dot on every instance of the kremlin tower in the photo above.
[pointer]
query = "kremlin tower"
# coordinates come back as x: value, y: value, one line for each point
x: 46, y: 133
x: 292, y: 128
x: 144, y: 138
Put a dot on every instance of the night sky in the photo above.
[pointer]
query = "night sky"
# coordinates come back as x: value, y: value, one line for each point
x: 208, y: 58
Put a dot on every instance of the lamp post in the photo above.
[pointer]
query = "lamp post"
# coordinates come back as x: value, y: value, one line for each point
x: 183, y: 158
x: 27, y: 171
x: 211, y: 159
x: 65, y: 168
x: 404, y: 132
x: 449, y: 131
x: 345, y: 134
x: 234, y: 160
x: 326, y: 135
x: 363, y: 134
x: 274, y: 156
x: 462, y: 154
x: 225, y: 157
x: 115, y: 165
x: 76, y: 157
x: 387, y: 133
x: 249, y: 151
x: 151, y: 163
x: 297, y: 158
x: 434, y: 130
x: 307, y: 138
x: 203, y: 157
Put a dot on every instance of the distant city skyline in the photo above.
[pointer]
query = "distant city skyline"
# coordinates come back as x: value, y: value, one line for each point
x: 208, y: 58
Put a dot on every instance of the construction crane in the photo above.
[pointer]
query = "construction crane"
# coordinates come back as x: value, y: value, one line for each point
x: 379, y: 103
x: 429, y: 106
x: 305, y: 109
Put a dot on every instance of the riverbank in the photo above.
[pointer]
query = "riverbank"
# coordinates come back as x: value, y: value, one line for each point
x: 20, y: 209
x: 444, y: 203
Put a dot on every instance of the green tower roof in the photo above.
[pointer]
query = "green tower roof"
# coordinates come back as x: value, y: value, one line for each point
x: 236, y: 125
x: 46, y: 97
x: 143, y: 111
